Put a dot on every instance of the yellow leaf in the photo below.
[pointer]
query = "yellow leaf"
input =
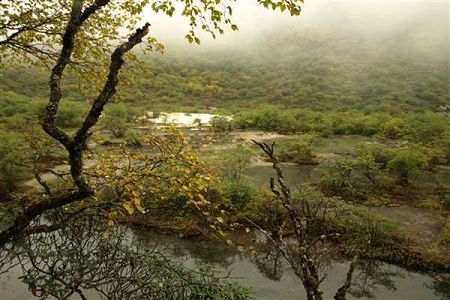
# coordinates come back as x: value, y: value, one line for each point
x: 220, y: 219
x: 201, y: 197
x: 138, y: 204
x: 128, y: 207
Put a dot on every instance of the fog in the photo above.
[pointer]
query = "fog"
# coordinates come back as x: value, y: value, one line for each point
x: 423, y: 24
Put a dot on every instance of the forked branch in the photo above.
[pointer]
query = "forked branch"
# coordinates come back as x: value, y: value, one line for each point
x: 73, y: 144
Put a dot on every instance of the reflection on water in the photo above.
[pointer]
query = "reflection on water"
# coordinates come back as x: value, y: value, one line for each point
x: 267, y: 273
x: 270, y: 277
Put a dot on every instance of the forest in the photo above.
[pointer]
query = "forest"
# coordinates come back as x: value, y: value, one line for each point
x: 306, y: 161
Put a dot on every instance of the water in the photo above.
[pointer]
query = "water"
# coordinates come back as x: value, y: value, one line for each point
x: 382, y: 281
x: 268, y: 275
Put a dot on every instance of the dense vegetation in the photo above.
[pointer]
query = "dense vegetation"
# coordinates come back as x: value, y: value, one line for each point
x: 307, y: 85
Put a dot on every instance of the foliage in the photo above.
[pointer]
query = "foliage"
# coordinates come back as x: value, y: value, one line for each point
x: 14, y: 162
x: 370, y: 160
x: 91, y: 255
x: 300, y: 151
x: 371, y: 236
x: 231, y: 163
x: 337, y: 180
x: 117, y: 118
x: 401, y: 160
x: 357, y: 122
x: 404, y: 161
x: 424, y: 128
x: 221, y: 124
x: 18, y: 109
x: 394, y: 128
x: 236, y: 195
x: 71, y: 114
x: 134, y: 138
x: 266, y: 211
x: 445, y: 233
x: 267, y: 118
x: 171, y: 169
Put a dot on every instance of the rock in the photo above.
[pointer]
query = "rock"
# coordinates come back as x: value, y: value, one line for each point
x: 92, y: 145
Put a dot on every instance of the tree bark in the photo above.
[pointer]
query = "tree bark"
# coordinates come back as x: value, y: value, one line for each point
x: 73, y: 144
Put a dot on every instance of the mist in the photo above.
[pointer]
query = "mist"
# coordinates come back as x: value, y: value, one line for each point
x: 419, y: 25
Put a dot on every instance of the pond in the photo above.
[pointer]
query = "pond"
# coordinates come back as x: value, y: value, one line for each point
x: 384, y: 281
x: 372, y: 280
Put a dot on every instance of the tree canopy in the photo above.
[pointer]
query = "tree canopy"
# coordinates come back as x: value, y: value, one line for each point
x: 79, y: 35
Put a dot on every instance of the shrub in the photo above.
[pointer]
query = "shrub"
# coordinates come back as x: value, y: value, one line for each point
x: 236, y: 195
x: 117, y: 118
x: 404, y: 161
x: 370, y: 160
x: 265, y: 210
x: 221, y: 124
x: 14, y: 162
x: 299, y: 151
x: 231, y: 164
x: 71, y: 114
x: 445, y: 233
x: 369, y: 235
x: 337, y: 180
x: 395, y: 128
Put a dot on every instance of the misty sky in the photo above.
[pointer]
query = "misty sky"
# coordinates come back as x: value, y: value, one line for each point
x: 428, y: 20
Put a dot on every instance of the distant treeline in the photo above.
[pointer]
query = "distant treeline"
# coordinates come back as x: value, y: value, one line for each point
x: 293, y: 69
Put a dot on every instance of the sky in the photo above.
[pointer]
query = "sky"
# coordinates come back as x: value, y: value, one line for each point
x: 375, y: 19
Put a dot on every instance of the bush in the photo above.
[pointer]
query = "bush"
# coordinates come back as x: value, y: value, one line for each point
x: 299, y: 151
x: 117, y: 118
x: 14, y: 162
x: 337, y: 180
x: 221, y: 124
x: 395, y: 128
x: 71, y: 113
x: 355, y: 122
x: 445, y: 233
x: 231, y: 164
x: 271, y: 118
x: 265, y: 210
x: 134, y: 138
x: 236, y: 195
x: 371, y: 158
x: 369, y: 235
x: 404, y: 161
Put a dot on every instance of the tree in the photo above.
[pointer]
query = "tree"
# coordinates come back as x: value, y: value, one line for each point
x: 76, y: 36
x: 85, y: 31
x: 367, y: 154
x: 89, y: 256
x: 403, y: 162
x: 337, y: 179
x: 301, y: 217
